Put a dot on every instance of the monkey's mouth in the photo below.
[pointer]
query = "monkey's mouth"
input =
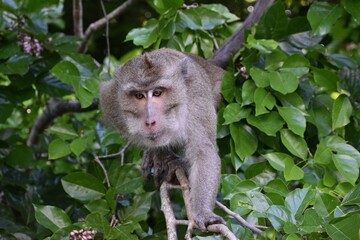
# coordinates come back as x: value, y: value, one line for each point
x: 154, y: 136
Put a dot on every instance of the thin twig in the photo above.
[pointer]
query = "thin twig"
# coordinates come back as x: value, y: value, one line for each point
x: 120, y: 154
x: 97, y: 160
x: 99, y: 24
x: 106, y: 33
x: 78, y: 18
x: 243, y: 222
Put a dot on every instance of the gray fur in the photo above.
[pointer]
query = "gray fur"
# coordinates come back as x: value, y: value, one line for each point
x: 185, y: 116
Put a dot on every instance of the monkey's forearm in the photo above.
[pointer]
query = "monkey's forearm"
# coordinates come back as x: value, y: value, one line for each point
x: 204, y: 182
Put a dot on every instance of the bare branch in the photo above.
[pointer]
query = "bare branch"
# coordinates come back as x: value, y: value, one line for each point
x: 54, y: 109
x: 97, y: 160
x: 78, y: 18
x: 223, y: 230
x: 243, y: 222
x: 101, y: 23
x: 235, y: 42
x: 168, y: 212
x: 215, y: 228
x: 120, y: 154
x: 106, y: 32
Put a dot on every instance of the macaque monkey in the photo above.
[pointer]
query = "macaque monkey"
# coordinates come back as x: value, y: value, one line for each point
x: 165, y: 102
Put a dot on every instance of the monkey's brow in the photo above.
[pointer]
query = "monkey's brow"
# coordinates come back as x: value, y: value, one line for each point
x: 146, y: 84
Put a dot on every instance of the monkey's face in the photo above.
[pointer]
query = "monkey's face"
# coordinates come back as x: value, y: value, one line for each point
x: 153, y: 116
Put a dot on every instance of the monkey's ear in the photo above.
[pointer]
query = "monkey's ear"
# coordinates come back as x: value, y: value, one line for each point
x: 184, y: 68
x: 147, y: 61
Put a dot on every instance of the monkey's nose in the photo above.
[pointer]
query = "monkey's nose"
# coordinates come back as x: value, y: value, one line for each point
x: 150, y: 123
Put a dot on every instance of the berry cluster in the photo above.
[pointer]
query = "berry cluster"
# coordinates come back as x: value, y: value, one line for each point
x: 29, y: 44
x: 82, y: 234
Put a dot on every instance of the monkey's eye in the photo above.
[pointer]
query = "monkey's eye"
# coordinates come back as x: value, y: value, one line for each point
x: 157, y: 93
x: 139, y: 95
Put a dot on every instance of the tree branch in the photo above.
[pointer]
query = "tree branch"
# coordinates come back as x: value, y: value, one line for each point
x: 254, y: 229
x: 101, y: 23
x: 54, y: 109
x: 235, y: 42
x: 78, y: 18
x: 215, y: 228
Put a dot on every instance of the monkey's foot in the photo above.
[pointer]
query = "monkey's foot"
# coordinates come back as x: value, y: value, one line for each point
x: 161, y: 167
x: 203, y: 220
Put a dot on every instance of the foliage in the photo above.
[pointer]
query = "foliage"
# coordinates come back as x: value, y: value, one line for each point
x: 288, y: 126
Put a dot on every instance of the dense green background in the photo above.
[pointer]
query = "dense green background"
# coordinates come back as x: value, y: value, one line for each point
x: 288, y: 131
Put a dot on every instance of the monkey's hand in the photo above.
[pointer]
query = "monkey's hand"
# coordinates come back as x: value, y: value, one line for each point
x: 161, y: 165
x: 205, y: 219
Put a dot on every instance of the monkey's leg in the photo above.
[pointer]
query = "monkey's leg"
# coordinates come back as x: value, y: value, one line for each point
x: 204, y: 183
x: 163, y: 163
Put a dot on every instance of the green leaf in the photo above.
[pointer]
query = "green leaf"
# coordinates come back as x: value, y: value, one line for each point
x: 326, y: 79
x: 343, y: 148
x: 209, y: 19
x: 294, y: 143
x: 161, y: 6
x: 345, y: 228
x: 228, y: 86
x: 260, y: 77
x: 323, y: 154
x: 278, y: 160
x: 51, y: 217
x: 296, y: 61
x: 321, y: 118
x: 78, y: 146
x: 291, y: 100
x: 264, y: 101
x: 341, y: 112
x: 67, y: 72
x: 139, y: 208
x: 294, y: 118
x: 322, y: 16
x: 8, y: 49
x: 283, y: 82
x: 21, y: 156
x: 16, y: 64
x: 292, y: 172
x: 58, y: 148
x: 83, y: 186
x: 278, y: 216
x: 352, y: 197
x: 292, y: 236
x: 325, y: 203
x: 352, y: 6
x: 228, y: 184
x: 274, y: 22
x: 312, y: 221
x: 239, y: 132
x: 277, y: 186
x: 347, y: 166
x: 98, y: 206
x: 234, y: 113
x: 259, y: 201
x: 264, y: 46
x: 298, y: 200
x: 189, y: 19
x: 247, y: 93
x: 126, y: 178
x: 65, y: 132
x: 83, y: 94
x: 269, y: 123
x: 167, y: 27
x: 145, y: 36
